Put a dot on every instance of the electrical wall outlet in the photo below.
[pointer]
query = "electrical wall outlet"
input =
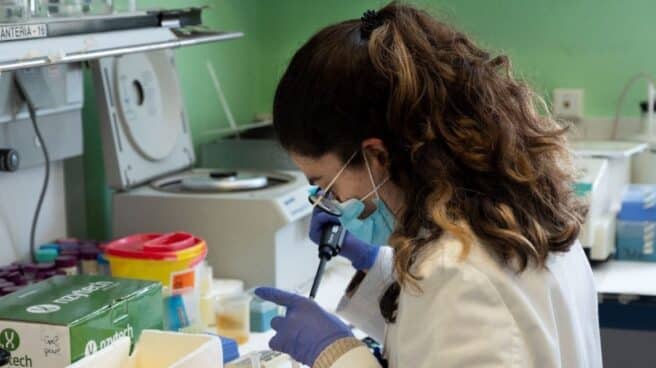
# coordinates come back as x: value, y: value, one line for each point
x: 568, y: 103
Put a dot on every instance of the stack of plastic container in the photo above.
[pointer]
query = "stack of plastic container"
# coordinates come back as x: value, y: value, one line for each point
x: 62, y: 257
x: 636, y: 224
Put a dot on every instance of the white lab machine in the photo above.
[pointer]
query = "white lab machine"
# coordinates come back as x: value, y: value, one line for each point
x: 598, y: 231
x: 57, y: 95
x: 254, y: 222
x: 619, y: 155
x: 605, y: 197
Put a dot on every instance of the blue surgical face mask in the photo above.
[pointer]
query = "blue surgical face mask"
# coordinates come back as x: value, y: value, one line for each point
x: 378, y: 226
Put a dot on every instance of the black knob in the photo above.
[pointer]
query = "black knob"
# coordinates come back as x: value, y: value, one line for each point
x: 9, y: 160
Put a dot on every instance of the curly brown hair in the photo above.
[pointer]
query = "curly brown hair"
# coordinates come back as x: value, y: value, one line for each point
x: 473, y: 148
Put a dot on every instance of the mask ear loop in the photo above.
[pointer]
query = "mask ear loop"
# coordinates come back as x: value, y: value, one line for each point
x: 332, y: 182
x: 373, y: 183
x: 376, y: 187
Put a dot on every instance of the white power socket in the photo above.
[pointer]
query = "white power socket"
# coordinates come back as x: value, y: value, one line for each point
x: 568, y: 103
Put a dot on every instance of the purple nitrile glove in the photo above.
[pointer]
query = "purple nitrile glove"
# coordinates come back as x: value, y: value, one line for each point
x: 306, y: 329
x: 362, y: 255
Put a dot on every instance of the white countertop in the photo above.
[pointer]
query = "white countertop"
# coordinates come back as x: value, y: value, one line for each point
x: 626, y: 278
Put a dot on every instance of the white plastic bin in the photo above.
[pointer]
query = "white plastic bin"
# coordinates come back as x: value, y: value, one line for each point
x: 162, y: 349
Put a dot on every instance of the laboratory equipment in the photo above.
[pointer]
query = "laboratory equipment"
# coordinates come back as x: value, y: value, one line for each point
x: 592, y: 185
x: 28, y: 269
x: 9, y: 160
x: 103, y: 265
x: 230, y: 349
x: 219, y: 288
x: 258, y: 235
x: 56, y: 93
x: 72, y: 8
x: 67, y: 264
x: 262, y: 312
x: 639, y: 203
x: 233, y: 317
x: 329, y: 246
x: 45, y: 271
x: 636, y: 224
x: 206, y: 280
x: 14, y: 11
x: 605, y: 197
x: 635, y: 240
x: 46, y: 255
x: 54, y: 246
x: 172, y: 259
x: 89, y: 261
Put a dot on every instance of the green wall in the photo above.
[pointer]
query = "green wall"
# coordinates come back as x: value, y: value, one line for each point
x: 592, y: 44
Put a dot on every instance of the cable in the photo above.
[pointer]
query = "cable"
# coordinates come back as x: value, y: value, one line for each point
x: 625, y: 91
x: 32, y: 112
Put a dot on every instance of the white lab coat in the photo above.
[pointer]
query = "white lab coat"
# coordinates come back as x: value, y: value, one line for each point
x: 476, y: 313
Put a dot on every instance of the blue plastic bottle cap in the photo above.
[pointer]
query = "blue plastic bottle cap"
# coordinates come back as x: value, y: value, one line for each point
x: 54, y: 246
x: 46, y: 255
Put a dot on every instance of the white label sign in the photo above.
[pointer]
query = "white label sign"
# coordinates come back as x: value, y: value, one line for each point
x: 22, y: 31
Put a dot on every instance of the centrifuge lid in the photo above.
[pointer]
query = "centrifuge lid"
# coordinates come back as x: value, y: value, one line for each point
x: 220, y: 181
x: 145, y: 131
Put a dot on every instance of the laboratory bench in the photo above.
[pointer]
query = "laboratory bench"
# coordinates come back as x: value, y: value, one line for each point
x: 627, y: 294
x: 627, y: 312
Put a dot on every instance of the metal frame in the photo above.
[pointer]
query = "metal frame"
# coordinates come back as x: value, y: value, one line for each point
x: 180, y: 41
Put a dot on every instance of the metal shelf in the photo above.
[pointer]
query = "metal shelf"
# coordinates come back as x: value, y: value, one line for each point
x: 58, y: 50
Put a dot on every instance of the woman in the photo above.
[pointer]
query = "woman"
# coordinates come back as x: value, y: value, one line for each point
x: 400, y: 118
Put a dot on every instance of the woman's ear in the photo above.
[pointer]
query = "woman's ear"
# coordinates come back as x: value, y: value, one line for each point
x: 377, y: 154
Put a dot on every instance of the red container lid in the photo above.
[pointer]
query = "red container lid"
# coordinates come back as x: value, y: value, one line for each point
x: 161, y: 247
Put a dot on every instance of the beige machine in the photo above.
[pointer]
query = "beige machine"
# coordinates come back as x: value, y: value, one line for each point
x: 255, y: 222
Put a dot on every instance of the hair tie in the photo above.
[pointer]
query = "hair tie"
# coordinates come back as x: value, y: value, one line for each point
x: 371, y: 20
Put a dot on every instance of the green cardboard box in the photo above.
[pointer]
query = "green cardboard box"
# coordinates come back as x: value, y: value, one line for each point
x: 61, y: 320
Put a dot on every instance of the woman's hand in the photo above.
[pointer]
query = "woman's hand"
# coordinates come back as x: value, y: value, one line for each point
x: 362, y: 255
x: 306, y: 329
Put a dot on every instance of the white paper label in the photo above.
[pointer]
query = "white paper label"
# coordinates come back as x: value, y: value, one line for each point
x: 34, y: 345
x: 11, y: 32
